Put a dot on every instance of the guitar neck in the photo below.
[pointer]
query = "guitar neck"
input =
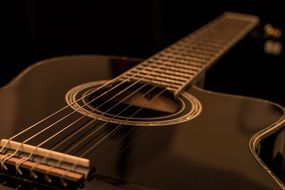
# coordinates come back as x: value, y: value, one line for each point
x: 178, y: 65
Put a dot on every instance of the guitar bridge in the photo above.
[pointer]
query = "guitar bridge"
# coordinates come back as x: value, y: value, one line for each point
x: 42, y: 164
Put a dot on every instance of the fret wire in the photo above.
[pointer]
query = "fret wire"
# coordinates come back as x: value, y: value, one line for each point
x: 184, y: 73
x: 186, y: 48
x: 208, y: 47
x: 220, y: 36
x: 223, y: 33
x: 179, y: 68
x: 197, y: 46
x: 195, y: 52
x: 229, y: 45
x: 180, y: 75
x: 184, y: 59
x: 223, y: 30
x: 159, y: 79
x: 188, y: 57
x: 214, y: 41
x: 195, y: 49
x: 180, y: 65
x: 159, y: 83
x: 164, y: 73
x: 210, y: 42
x: 181, y: 61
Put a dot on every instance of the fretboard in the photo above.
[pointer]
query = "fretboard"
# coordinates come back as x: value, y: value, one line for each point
x: 178, y: 65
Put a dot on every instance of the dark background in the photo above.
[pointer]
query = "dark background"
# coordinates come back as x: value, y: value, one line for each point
x: 33, y: 30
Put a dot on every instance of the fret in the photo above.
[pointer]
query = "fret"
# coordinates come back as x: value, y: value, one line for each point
x: 181, y: 76
x: 175, y: 73
x: 207, y: 46
x: 204, y: 37
x: 187, y: 57
x: 217, y: 39
x: 178, y: 65
x: 173, y: 60
x: 210, y: 42
x: 163, y: 83
x: 204, y: 47
x: 183, y: 72
x: 232, y: 23
x: 165, y: 74
x: 198, y: 51
x: 157, y: 78
x: 157, y: 64
x: 220, y: 34
x: 220, y: 38
x: 195, y: 49
x: 205, y: 50
x: 229, y: 27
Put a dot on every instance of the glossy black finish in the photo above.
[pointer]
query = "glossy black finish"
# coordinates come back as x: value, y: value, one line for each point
x: 210, y: 152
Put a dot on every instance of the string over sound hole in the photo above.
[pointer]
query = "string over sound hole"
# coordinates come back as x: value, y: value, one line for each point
x: 132, y: 103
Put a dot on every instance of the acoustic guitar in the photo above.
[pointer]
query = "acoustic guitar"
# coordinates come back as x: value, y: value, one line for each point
x: 81, y: 122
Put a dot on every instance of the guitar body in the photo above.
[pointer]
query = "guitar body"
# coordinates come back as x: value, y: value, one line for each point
x: 215, y: 150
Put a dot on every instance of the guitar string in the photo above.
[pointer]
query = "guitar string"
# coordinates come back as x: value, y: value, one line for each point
x: 43, y: 142
x: 89, y: 135
x: 68, y: 106
x: 114, y: 131
x: 82, y: 128
x: 184, y: 39
x: 8, y: 156
x: 102, y: 156
x: 112, y: 81
x: 216, y: 21
x: 104, y: 164
x: 90, y: 112
x: 60, y: 160
x: 114, y: 117
x: 136, y: 112
x: 102, y: 139
x: 98, y: 143
x: 83, y: 116
x: 202, y: 29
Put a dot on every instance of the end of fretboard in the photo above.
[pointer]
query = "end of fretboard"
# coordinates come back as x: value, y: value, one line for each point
x: 241, y: 16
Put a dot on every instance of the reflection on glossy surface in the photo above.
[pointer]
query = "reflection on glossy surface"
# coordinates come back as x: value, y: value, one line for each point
x: 209, y: 152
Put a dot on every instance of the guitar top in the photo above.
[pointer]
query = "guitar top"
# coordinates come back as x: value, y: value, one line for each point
x: 79, y: 122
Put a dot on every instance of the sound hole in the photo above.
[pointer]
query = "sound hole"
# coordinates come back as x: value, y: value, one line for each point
x: 132, y: 103
x: 131, y: 100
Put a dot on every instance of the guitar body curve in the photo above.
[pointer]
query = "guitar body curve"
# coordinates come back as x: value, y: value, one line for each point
x: 210, y: 151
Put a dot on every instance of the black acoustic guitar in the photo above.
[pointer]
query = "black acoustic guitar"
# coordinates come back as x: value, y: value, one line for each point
x: 81, y: 122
